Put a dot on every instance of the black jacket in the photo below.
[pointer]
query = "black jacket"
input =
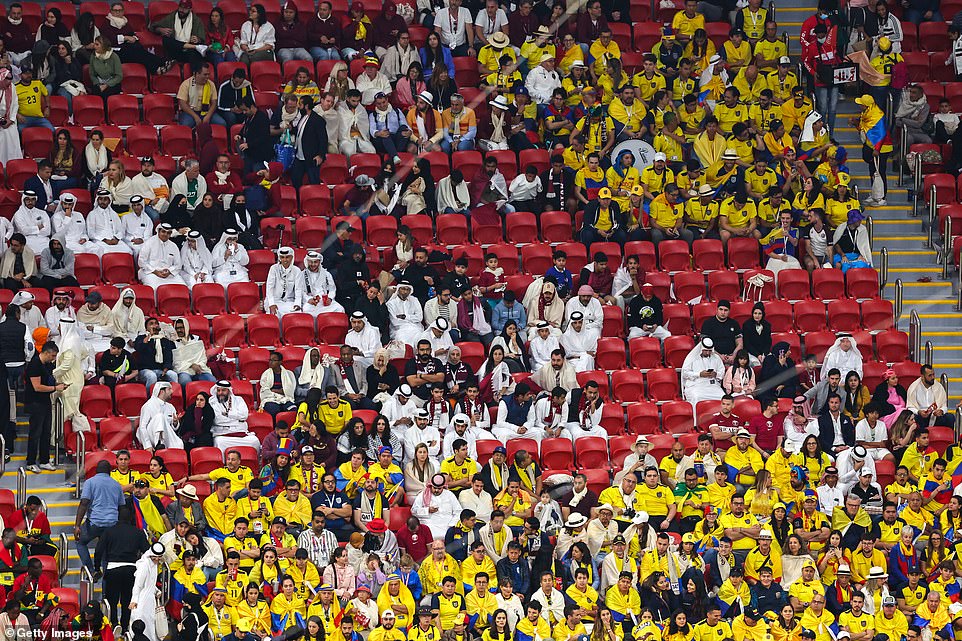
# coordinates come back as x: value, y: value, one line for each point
x: 122, y: 543
x: 826, y: 431
x: 146, y: 358
x: 313, y: 141
x: 881, y: 398
x: 33, y: 183
x: 12, y: 341
x: 592, y: 210
x: 256, y: 132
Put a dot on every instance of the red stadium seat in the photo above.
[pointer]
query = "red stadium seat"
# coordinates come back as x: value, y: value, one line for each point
x: 600, y: 377
x: 810, y: 314
x: 627, y: 385
x: 123, y: 110
x: 334, y: 169
x: 116, y: 433
x: 262, y: 330
x: 677, y: 417
x: 614, y: 321
x: 818, y: 342
x: 843, y: 315
x: 918, y: 65
x: 933, y: 36
x: 619, y: 448
x: 316, y: 200
x: 700, y: 312
x: 577, y: 256
x: 473, y: 354
x: 507, y: 257
x: 892, y: 346
x: 96, y: 401
x: 662, y: 384
x: 877, y: 314
x: 18, y: 170
x: 536, y: 258
x: 381, y: 231
x: 486, y: 234
x: 779, y: 314
x: 708, y: 254
x: 486, y: 449
x: 58, y: 110
x: 88, y: 111
x: 907, y: 371
x: 723, y: 285
x: 36, y: 142
x: 557, y: 453
x: 521, y: 227
x: 243, y: 298
x: 676, y: 349
x: 133, y: 83
x: 311, y: 232
x: 177, y: 140
x: 276, y: 231
x: 689, y: 286
x: 794, y: 284
x: 252, y: 361
x: 529, y: 445
x: 645, y: 352
x: 208, y: 299
x: 145, y: 297
x: 742, y: 253
x: 142, y: 140
x: 205, y: 459
x: 592, y: 453
x: 609, y: 249
x: 555, y: 226
x: 673, y: 255
x: 130, y: 397
x: 610, y: 354
x: 452, y: 229
x: 861, y: 282
x: 866, y: 344
x: 643, y: 417
x: 174, y: 300
x: 118, y: 269
x: 420, y: 226
x: 298, y: 329
x: 828, y: 284
x: 229, y: 330
x: 260, y: 263
x: 331, y: 328
x: 87, y: 269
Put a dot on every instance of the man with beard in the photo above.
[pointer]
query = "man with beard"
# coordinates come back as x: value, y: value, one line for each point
x: 95, y: 322
x: 405, y: 314
x: 310, y: 144
x: 230, y: 419
x: 284, y: 290
x: 423, y: 371
x: 348, y: 375
x: 138, y: 226
x: 363, y: 338
x: 155, y: 354
x: 421, y: 275
x: 319, y: 289
x: 159, y: 260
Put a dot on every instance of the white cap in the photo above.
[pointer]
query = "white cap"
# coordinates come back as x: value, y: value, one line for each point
x: 784, y: 60
x: 660, y: 156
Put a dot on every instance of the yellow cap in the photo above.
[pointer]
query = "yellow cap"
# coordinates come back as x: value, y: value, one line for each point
x: 779, y: 506
x: 844, y: 179
x: 637, y: 190
x: 866, y: 101
x: 604, y: 192
x: 884, y: 44
x: 689, y: 538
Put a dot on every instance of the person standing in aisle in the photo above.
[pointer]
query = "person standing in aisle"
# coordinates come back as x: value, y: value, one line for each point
x: 100, y: 502
x: 40, y: 385
x: 118, y: 550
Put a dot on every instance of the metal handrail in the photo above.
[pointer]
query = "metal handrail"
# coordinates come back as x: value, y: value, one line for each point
x: 81, y: 461
x: 771, y: 10
x: 3, y: 448
x: 21, y: 486
x: 902, y: 150
x: 915, y: 336
x: 946, y: 246
x: 898, y: 301
x: 165, y: 576
x: 870, y: 228
x: 86, y: 591
x: 889, y: 110
x: 916, y: 185
x: 944, y: 380
x: 883, y: 275
x: 928, y: 352
x: 59, y: 437
x: 933, y: 195
x: 958, y: 424
x: 62, y: 560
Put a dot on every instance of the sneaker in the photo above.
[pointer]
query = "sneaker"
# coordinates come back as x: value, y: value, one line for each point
x: 6, y: 457
x: 870, y: 202
x: 881, y: 203
x: 33, y: 468
x: 50, y: 467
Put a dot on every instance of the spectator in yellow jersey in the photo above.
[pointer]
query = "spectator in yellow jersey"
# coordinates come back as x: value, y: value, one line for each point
x: 687, y: 21
x: 750, y: 83
x: 751, y: 20
x: 667, y: 213
x: 817, y: 620
x: 685, y: 83
x: 747, y: 142
x: 576, y: 81
x: 622, y: 176
x: 654, y: 179
x: 576, y: 156
x: 649, y: 80
x: 238, y: 475
x: 490, y: 55
x: 765, y: 111
x: 782, y: 81
x: 730, y: 110
x: 628, y: 112
x: 796, y: 110
x: 736, y: 51
x: 770, y: 49
x: 737, y: 217
x: 777, y: 140
x: 692, y: 117
x: 601, y: 51
x: 691, y: 178
x: 670, y: 142
x: 701, y: 213
x: 598, y: 130
x: 538, y: 45
x: 759, y: 180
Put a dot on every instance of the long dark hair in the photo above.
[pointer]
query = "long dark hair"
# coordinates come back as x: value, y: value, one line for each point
x: 221, y: 28
x: 385, y: 436
x: 84, y: 28
x: 354, y: 441
x: 434, y: 54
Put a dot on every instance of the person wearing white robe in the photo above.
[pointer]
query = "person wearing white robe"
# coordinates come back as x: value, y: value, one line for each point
x: 128, y: 318
x: 311, y: 374
x: 280, y: 401
x: 105, y: 228
x: 32, y: 222
x: 461, y: 428
x: 197, y: 265
x: 138, y: 226
x: 319, y: 288
x: 74, y: 360
x: 364, y: 337
x: 557, y: 372
x: 30, y: 314
x: 844, y: 356
x: 504, y: 430
x: 701, y: 373
x: 71, y: 223
x: 406, y: 314
x: 400, y: 411
x: 579, y: 343
x: 284, y: 292
x: 230, y: 259
x: 159, y: 261
x: 587, y: 414
x: 436, y: 507
x: 59, y: 309
x: 422, y: 432
x: 143, y: 605
x: 158, y: 420
x: 541, y: 346
x: 10, y: 148
x: 589, y: 306
x: 548, y: 415
x: 95, y: 323
x: 190, y: 355
x: 440, y: 338
x: 230, y: 419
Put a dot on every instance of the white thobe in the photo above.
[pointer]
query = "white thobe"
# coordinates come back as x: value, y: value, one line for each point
x: 407, y: 329
x: 438, y: 520
x: 105, y: 224
x: 394, y: 410
x: 588, y: 424
x: 196, y: 264
x: 695, y: 388
x: 317, y: 285
x: 540, y: 350
x: 53, y: 316
x: 74, y: 230
x: 471, y: 435
x: 157, y: 425
x: 367, y: 341
x: 428, y: 435
x: 155, y: 255
x: 577, y: 345
x: 845, y: 362
x: 543, y: 416
x: 145, y: 594
x: 137, y: 228
x: 594, y: 315
x: 284, y: 288
x: 34, y: 223
x: 437, y: 342
x: 230, y: 267
x: 230, y: 423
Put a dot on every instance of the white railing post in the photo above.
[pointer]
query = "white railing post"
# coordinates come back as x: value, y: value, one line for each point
x: 915, y: 336
x: 62, y: 561
x: 916, y: 184
x: 81, y: 461
x: 932, y: 214
x: 947, y: 250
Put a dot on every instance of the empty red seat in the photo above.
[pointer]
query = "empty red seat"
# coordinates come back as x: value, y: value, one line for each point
x: 843, y: 315
x: 176, y: 140
x: 673, y: 255
x: 298, y: 329
x: 892, y: 346
x: 229, y: 330
x: 794, y: 284
x: 536, y: 258
x: 381, y: 230
x: 116, y: 433
x: 676, y: 349
x: 677, y: 417
x: 779, y: 314
x: 828, y: 284
x: 130, y: 398
x: 627, y: 385
x: 810, y: 314
x: 592, y: 452
x: 142, y: 140
x: 262, y: 329
x: 87, y: 269
x: 557, y: 453
x: 452, y: 229
x: 174, y: 300
x: 861, y: 282
x: 521, y: 227
x: 555, y: 226
x: 243, y: 298
x: 689, y: 286
x: 96, y: 401
x: 877, y: 314
x: 88, y: 111
x: 645, y: 352
x: 662, y: 384
x: 331, y: 328
x: 203, y: 460
x: 708, y: 254
x: 817, y: 343
x: 723, y: 285
x: 742, y: 253
x: 610, y: 354
x: 252, y: 361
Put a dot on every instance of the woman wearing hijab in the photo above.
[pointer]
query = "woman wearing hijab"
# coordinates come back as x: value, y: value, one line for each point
x: 382, y: 377
x: 178, y: 217
x: 889, y: 397
x: 195, y: 424
x: 9, y: 108
x: 206, y: 219
x: 778, y: 378
x: 128, y: 318
x: 515, y: 352
x: 247, y: 223
x: 197, y: 263
x: 57, y: 265
x: 757, y: 334
x: 417, y: 189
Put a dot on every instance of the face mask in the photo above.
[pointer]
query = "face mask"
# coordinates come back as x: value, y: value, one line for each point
x: 823, y: 16
x: 821, y: 41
